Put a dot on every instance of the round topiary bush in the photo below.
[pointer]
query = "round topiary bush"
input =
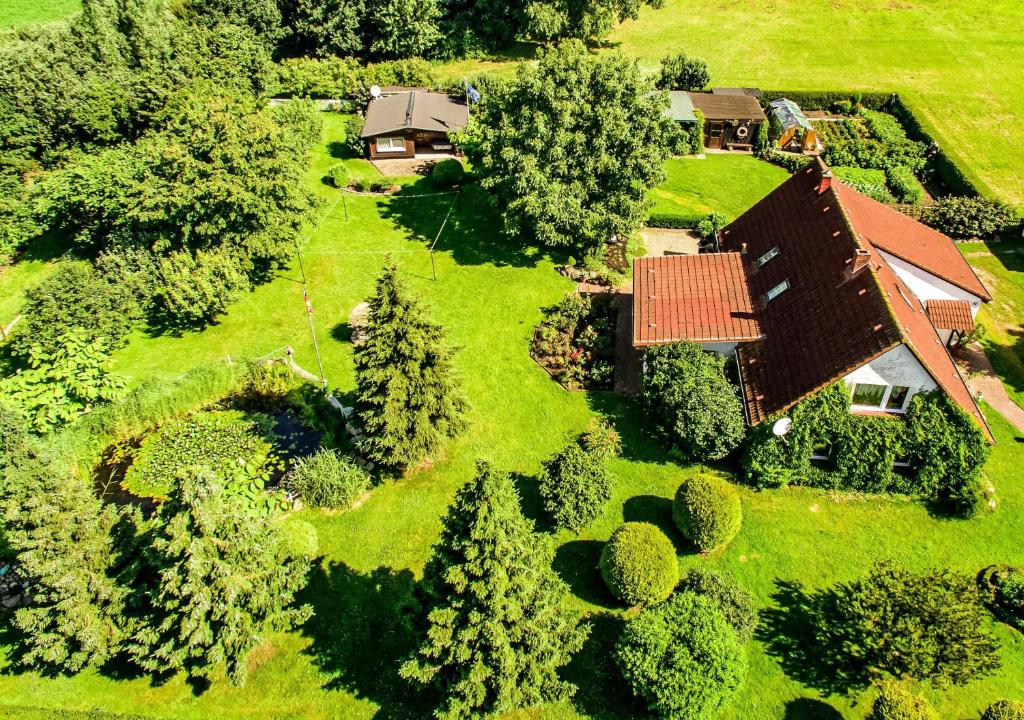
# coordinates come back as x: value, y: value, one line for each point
x: 448, y: 172
x: 338, y: 174
x: 299, y: 538
x: 898, y: 702
x: 328, y: 479
x: 736, y: 604
x: 707, y: 511
x: 1004, y: 710
x: 639, y: 564
x: 682, y: 657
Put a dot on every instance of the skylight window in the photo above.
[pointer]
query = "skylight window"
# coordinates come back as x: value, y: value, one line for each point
x: 767, y: 256
x: 777, y: 290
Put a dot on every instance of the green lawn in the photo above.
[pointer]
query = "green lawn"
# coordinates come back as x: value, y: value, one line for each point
x: 489, y: 294
x: 729, y: 184
x: 17, y: 13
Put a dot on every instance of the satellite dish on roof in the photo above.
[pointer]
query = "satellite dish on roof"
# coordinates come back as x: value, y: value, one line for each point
x: 375, y: 90
x: 781, y: 426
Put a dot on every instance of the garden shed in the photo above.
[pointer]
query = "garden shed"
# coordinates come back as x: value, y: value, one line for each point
x: 400, y: 122
x: 731, y: 121
x: 680, y: 107
x: 796, y: 129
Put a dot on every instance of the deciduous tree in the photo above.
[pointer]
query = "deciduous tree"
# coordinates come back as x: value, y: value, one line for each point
x: 497, y: 629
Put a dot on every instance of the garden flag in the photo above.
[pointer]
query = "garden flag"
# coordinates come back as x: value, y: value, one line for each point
x: 309, y: 305
x: 471, y: 93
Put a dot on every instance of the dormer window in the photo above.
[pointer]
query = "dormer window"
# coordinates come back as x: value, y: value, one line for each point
x: 776, y: 291
x: 767, y: 256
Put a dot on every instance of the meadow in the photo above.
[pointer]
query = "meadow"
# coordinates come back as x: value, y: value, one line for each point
x: 489, y: 294
x: 18, y: 13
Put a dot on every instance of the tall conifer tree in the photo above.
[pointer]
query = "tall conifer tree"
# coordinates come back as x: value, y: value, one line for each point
x: 223, y: 576
x: 407, y: 395
x: 497, y: 629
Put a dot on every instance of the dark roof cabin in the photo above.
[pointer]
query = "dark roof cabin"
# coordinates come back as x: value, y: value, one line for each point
x: 398, y: 122
x: 731, y: 121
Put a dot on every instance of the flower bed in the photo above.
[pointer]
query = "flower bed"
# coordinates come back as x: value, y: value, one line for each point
x: 576, y: 341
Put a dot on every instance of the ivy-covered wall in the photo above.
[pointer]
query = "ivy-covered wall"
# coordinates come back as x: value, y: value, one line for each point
x: 944, y: 446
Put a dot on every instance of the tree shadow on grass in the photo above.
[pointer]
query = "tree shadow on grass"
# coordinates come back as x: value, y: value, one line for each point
x: 658, y: 512
x: 633, y: 423
x: 576, y: 563
x: 810, y: 709
x: 472, y: 233
x: 531, y: 501
x: 361, y: 634
x: 601, y: 692
x: 788, y: 630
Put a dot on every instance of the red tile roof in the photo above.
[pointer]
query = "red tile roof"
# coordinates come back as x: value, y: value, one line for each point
x: 950, y: 314
x: 845, y: 306
x: 702, y: 298
x: 909, y: 240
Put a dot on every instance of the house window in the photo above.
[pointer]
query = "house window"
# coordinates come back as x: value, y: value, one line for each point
x: 822, y: 451
x: 868, y: 395
x: 391, y: 144
x: 897, y: 398
x: 776, y: 291
x: 767, y: 256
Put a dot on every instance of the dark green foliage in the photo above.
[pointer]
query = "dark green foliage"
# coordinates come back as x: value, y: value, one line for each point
x: 899, y: 702
x: 682, y: 72
x: 497, y: 629
x: 580, y: 19
x: 575, y: 483
x: 328, y: 479
x: 61, y: 535
x: 865, y: 449
x: 1003, y: 586
x: 697, y: 408
x: 1004, y: 710
x: 970, y: 217
x: 707, y: 511
x: 736, y: 604
x: 402, y: 28
x: 324, y: 28
x: 568, y: 148
x: 871, y: 140
x: 682, y: 657
x: 220, y: 578
x: 75, y: 297
x: 348, y: 80
x: 639, y: 564
x: 408, y: 398
x: 904, y: 185
x: 261, y: 16
x: 447, y: 173
x: 926, y: 626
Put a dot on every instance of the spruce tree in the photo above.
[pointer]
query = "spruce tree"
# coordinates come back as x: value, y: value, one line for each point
x: 497, y: 631
x: 222, y: 577
x: 60, y: 533
x: 407, y: 396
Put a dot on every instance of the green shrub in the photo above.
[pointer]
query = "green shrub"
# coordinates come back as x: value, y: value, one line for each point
x: 682, y: 657
x: 362, y: 185
x: 228, y: 444
x: 1005, y: 587
x: 898, y: 702
x: 868, y: 181
x: 904, y: 185
x: 575, y: 486
x: 338, y: 173
x: 347, y: 78
x: 864, y: 451
x: 328, y: 479
x: 682, y: 72
x: 299, y: 538
x: 381, y: 184
x: 970, y: 217
x: 707, y: 510
x: 736, y: 604
x: 696, y: 133
x: 448, y: 173
x: 639, y: 564
x: 696, y: 407
x: 1004, y: 710
x: 668, y: 220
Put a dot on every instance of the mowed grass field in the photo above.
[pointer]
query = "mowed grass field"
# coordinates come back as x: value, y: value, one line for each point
x: 489, y: 293
x: 18, y: 13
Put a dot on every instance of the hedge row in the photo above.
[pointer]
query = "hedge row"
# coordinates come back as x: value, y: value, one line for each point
x: 827, y: 99
x: 674, y: 221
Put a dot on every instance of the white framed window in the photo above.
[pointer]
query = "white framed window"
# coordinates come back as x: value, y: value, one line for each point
x: 768, y: 256
x: 390, y: 144
x: 870, y: 396
x: 776, y: 291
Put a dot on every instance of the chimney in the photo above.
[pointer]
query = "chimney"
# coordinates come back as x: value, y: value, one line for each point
x: 826, y: 182
x: 860, y: 261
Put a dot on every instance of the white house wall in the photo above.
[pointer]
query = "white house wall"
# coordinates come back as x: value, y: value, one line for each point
x: 927, y: 286
x: 899, y: 366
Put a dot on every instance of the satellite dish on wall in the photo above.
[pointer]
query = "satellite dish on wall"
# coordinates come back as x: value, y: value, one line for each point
x: 781, y: 426
x: 375, y: 90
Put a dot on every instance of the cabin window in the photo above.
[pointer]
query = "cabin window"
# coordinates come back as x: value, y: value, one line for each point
x: 868, y: 395
x: 391, y: 144
x: 897, y: 398
x: 777, y: 290
x: 767, y: 256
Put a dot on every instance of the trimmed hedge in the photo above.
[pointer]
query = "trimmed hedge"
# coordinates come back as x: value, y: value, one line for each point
x: 1004, y: 710
x: 639, y: 564
x: 965, y: 218
x: 448, y: 173
x: 904, y: 185
x: 828, y: 99
x: 898, y: 702
x: 707, y: 511
x: 672, y: 221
